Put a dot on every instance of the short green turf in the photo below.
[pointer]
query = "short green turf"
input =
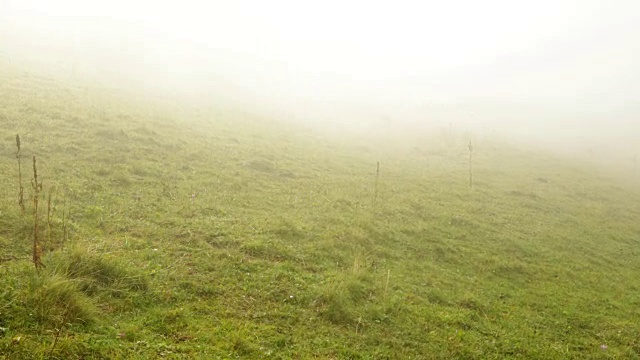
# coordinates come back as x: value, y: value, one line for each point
x: 202, y: 232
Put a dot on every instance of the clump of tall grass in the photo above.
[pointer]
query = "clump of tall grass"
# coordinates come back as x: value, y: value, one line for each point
x: 355, y: 297
x: 95, y: 273
x: 69, y: 290
x: 54, y: 299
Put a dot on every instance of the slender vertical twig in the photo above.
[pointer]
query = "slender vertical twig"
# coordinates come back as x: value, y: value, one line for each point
x: 21, y: 191
x: 37, y: 248
x: 64, y: 219
x: 470, y: 164
x: 49, y: 214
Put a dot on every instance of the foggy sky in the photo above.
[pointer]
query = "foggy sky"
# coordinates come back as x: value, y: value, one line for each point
x: 532, y: 67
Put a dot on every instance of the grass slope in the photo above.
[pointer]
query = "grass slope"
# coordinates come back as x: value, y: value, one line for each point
x: 203, y: 233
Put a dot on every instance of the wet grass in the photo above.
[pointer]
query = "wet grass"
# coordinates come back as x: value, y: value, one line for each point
x: 208, y: 233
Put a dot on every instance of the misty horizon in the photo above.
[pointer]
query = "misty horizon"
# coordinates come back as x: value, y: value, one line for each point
x: 545, y: 70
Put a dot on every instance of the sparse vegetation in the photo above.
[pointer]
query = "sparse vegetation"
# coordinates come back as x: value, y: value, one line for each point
x: 186, y: 237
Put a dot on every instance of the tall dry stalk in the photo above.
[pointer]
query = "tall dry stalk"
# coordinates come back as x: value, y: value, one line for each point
x: 49, y: 215
x: 21, y: 191
x: 470, y: 164
x: 64, y: 219
x: 37, y: 248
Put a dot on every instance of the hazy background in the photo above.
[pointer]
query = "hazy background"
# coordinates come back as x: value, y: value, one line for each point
x: 563, y: 74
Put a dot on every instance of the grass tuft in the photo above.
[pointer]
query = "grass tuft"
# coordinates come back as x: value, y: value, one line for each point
x: 54, y: 299
x: 94, y: 273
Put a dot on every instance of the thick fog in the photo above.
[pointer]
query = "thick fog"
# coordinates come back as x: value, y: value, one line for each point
x: 554, y: 72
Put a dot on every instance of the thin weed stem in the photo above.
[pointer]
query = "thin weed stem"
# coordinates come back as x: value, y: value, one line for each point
x: 37, y: 248
x: 49, y: 214
x: 21, y: 188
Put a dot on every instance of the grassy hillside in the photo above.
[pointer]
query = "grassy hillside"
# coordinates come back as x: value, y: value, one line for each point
x: 191, y: 232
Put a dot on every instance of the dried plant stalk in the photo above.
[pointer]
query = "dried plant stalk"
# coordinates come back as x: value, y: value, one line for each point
x: 37, y: 248
x: 21, y: 191
x: 49, y: 215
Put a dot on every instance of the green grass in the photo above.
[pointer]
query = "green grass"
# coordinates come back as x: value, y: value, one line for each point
x: 198, y: 232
